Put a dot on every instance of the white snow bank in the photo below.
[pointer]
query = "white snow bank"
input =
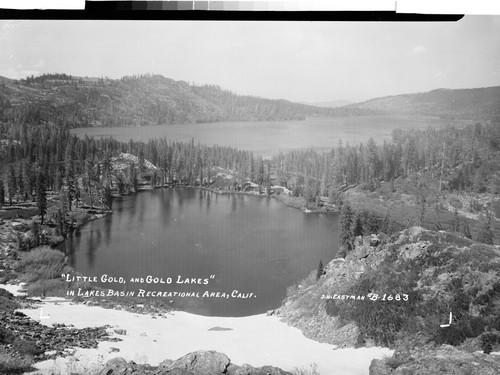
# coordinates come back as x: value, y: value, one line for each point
x: 16, y: 290
x: 258, y: 340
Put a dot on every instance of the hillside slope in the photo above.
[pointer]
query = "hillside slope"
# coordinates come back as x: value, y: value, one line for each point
x: 478, y: 103
x: 424, y: 276
x: 138, y: 100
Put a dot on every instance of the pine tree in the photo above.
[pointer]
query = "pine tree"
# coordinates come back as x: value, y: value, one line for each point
x: 21, y: 244
x: 20, y: 182
x: 62, y: 212
x: 141, y: 163
x: 437, y: 210
x: 421, y: 208
x: 386, y: 226
x: 106, y: 168
x: 455, y: 224
x: 488, y: 339
x: 132, y: 177
x: 485, y: 234
x: 60, y: 223
x: 370, y: 223
x: 260, y: 177
x: 108, y: 197
x: 89, y: 176
x: 69, y: 175
x: 77, y: 194
x: 154, y: 178
x: 11, y: 183
x: 121, y: 186
x: 465, y: 230
x: 358, y: 225
x: 35, y: 231
x: 41, y: 194
x: 27, y: 181
x: 321, y: 270
x: 346, y: 234
x: 2, y: 193
x: 58, y: 180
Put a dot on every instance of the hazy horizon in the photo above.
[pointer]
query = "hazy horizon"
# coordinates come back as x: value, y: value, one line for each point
x: 298, y: 61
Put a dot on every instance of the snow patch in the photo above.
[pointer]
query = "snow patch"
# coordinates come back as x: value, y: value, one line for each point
x: 258, y: 340
x: 17, y: 290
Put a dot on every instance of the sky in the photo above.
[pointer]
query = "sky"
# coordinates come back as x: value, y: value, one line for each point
x: 297, y: 61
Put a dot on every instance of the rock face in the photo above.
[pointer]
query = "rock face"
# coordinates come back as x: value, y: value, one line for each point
x: 122, y: 162
x: 445, y: 360
x: 24, y: 335
x: 306, y: 308
x: 197, y: 363
x: 203, y: 362
x: 387, y: 288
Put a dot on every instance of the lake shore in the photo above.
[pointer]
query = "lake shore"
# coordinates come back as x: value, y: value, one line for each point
x: 257, y: 340
x: 287, y: 200
x: 87, y: 215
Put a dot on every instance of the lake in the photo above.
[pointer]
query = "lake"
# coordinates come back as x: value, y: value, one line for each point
x: 250, y: 244
x: 269, y: 137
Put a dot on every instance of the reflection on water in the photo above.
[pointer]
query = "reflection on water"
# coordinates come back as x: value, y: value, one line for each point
x: 251, y: 244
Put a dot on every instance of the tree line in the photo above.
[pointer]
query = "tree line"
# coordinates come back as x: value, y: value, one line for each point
x: 83, y: 167
x: 140, y: 100
x: 460, y: 158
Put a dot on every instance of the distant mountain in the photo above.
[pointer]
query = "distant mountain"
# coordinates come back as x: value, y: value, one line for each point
x: 477, y: 104
x: 332, y: 103
x: 139, y: 100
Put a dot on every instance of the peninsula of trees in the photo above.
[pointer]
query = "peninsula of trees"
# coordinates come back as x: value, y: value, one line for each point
x: 38, y: 154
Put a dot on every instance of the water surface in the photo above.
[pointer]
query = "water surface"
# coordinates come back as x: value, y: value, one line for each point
x: 269, y: 137
x: 251, y: 244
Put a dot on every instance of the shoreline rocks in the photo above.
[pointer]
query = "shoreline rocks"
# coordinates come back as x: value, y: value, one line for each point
x: 443, y: 360
x: 196, y: 363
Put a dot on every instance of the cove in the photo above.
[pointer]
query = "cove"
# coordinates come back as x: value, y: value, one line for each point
x: 230, y: 254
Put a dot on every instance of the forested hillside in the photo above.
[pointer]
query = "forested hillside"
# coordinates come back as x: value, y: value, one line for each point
x: 422, y: 177
x: 458, y: 158
x: 446, y: 178
x: 477, y: 104
x: 137, y: 101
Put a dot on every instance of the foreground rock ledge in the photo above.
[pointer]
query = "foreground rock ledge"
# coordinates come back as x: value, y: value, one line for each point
x: 197, y: 363
x: 444, y: 360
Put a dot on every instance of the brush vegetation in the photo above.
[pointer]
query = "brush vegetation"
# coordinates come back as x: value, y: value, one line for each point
x: 440, y: 273
x: 42, y: 268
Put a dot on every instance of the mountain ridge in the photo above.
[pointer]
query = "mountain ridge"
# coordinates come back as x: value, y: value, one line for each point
x: 472, y: 103
x: 139, y: 100
x: 157, y: 100
x: 330, y: 103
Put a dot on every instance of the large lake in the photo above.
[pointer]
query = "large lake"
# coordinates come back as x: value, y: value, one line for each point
x: 251, y: 244
x: 267, y: 138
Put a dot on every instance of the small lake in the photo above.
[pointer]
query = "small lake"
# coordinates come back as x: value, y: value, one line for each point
x: 251, y: 244
x: 269, y: 137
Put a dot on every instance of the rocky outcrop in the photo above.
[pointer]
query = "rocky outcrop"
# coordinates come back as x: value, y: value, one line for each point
x: 123, y: 161
x: 306, y: 307
x: 202, y: 362
x: 20, y: 334
x: 444, y: 360
x: 387, y: 288
x: 197, y: 363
